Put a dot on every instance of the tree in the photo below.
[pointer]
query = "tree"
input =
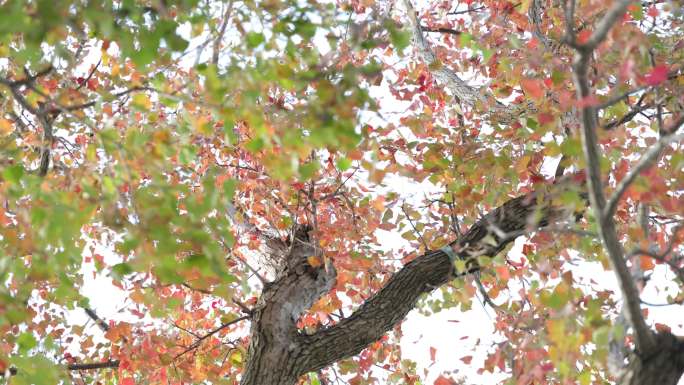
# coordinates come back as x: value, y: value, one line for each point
x: 233, y: 167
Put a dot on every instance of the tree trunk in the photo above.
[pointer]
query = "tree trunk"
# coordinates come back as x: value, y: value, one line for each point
x: 664, y: 366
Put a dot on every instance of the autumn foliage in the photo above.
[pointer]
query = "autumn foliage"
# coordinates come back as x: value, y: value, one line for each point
x: 182, y: 158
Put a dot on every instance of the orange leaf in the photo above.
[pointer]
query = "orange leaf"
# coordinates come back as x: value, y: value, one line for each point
x: 314, y: 261
x: 646, y: 263
x: 503, y: 273
x: 6, y: 127
x: 533, y: 88
x: 441, y: 380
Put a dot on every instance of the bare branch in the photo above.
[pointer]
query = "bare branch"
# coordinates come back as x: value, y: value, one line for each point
x: 98, y: 321
x: 90, y: 75
x: 636, y: 110
x: 422, y: 240
x: 28, y: 79
x: 197, y: 343
x: 466, y: 93
x: 111, y: 364
x: 449, y: 31
x: 469, y: 10
x: 222, y: 31
x: 661, y: 258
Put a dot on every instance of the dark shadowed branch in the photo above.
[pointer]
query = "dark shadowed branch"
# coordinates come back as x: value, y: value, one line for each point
x: 644, y: 338
x: 431, y: 270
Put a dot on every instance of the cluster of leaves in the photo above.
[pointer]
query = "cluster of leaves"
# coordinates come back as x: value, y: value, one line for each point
x: 185, y: 135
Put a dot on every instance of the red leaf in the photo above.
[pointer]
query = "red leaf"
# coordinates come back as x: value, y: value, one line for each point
x: 441, y: 380
x: 657, y: 75
x: 662, y: 328
x: 588, y: 101
x: 545, y: 118
x: 527, y: 249
x: 92, y: 84
x: 533, y: 88
x: 466, y: 360
x: 583, y: 36
x: 433, y: 352
x: 127, y: 381
x: 652, y: 11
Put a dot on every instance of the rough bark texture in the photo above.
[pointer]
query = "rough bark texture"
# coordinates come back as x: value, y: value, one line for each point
x: 275, y: 345
x: 664, y: 366
x: 279, y: 353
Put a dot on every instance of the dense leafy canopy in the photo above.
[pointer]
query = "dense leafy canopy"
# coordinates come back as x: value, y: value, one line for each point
x: 173, y: 147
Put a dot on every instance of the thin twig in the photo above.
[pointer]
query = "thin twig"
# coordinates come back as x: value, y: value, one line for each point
x: 644, y: 162
x: 90, y: 75
x: 197, y: 343
x: 98, y: 321
x: 222, y: 31
x: 403, y: 209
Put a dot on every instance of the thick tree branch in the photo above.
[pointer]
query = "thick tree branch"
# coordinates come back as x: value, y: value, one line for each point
x: 274, y: 347
x: 467, y: 94
x: 535, y: 14
x: 644, y: 338
x: 111, y: 364
x: 489, y: 236
x: 95, y: 365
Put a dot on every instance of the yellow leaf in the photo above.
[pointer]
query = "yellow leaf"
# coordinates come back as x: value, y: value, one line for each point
x: 236, y: 357
x: 6, y: 127
x: 142, y: 101
x: 379, y: 204
x: 137, y: 296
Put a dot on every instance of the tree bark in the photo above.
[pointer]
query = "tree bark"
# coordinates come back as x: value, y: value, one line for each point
x: 279, y: 353
x: 275, y: 347
x: 663, y: 366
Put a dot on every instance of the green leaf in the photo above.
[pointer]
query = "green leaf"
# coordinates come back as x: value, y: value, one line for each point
x: 26, y: 342
x: 35, y: 370
x: 13, y: 174
x: 255, y: 145
x: 313, y: 379
x: 120, y: 270
x: 254, y: 39
x: 343, y: 163
x: 400, y: 39
x: 308, y: 170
